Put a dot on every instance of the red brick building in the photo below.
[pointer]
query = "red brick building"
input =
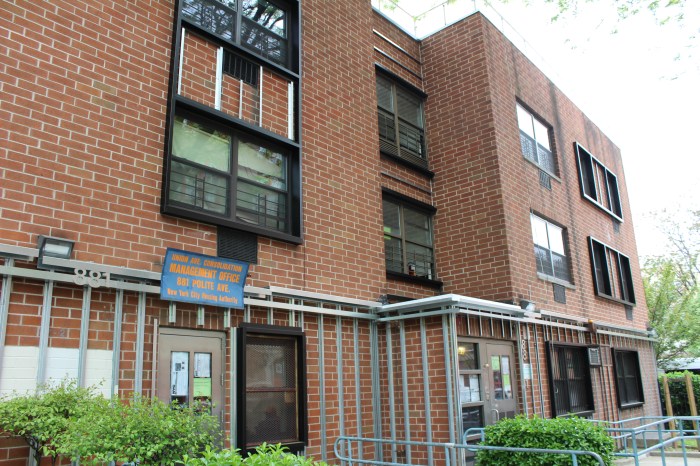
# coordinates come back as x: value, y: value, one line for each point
x: 437, y: 236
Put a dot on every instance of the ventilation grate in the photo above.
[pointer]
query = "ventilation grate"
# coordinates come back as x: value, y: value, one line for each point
x: 545, y: 180
x: 616, y: 226
x: 629, y: 313
x: 237, y: 245
x: 240, y: 68
x: 559, y: 293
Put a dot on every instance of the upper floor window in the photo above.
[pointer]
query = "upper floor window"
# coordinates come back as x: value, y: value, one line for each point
x: 612, y: 273
x: 629, y: 378
x: 264, y: 24
x: 550, y: 250
x: 598, y: 184
x: 408, y: 240
x: 535, y: 140
x: 230, y: 178
x: 401, y: 123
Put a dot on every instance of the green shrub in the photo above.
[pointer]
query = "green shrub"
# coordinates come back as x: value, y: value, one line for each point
x: 679, y: 394
x: 43, y: 418
x: 139, y: 429
x: 265, y: 455
x: 556, y: 434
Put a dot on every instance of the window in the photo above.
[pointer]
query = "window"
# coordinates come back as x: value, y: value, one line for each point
x: 230, y: 178
x: 612, y: 274
x: 271, y: 387
x: 470, y: 385
x: 264, y: 24
x: 598, y: 184
x: 408, y: 240
x: 571, y: 380
x: 400, y: 122
x: 550, y: 253
x: 629, y: 378
x: 535, y: 140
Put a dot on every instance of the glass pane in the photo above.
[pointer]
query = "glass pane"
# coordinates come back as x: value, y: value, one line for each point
x: 417, y: 227
x: 392, y: 218
x: 385, y: 97
x: 201, y: 144
x: 201, y: 389
x: 497, y: 377
x: 468, y: 358
x: 470, y: 388
x: 217, y: 16
x: 262, y: 165
x: 271, y: 389
x: 556, y: 239
x: 544, y: 261
x: 180, y: 377
x: 267, y: 15
x: 198, y: 187
x: 409, y: 107
x: 525, y: 121
x: 539, y: 231
x: 394, y: 254
x: 420, y: 260
x: 261, y: 206
x: 471, y: 417
x: 506, y: 378
x: 541, y: 134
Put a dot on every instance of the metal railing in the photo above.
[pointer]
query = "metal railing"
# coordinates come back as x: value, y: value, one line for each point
x: 449, y: 450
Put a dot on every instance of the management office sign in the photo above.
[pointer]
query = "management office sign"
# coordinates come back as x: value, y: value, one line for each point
x: 196, y: 278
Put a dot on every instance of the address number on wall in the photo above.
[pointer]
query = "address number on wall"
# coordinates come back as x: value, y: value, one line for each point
x: 90, y: 277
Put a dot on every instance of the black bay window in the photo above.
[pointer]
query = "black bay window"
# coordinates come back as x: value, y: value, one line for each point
x: 612, y: 273
x: 231, y: 178
x: 598, y: 184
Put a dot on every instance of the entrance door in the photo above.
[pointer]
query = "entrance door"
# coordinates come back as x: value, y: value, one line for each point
x: 190, y: 368
x: 499, y: 389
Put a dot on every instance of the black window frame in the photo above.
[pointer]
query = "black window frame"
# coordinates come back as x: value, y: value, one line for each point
x: 619, y: 288
x: 628, y: 377
x: 405, y: 203
x: 592, y: 172
x: 541, y: 271
x: 234, y: 37
x: 526, y: 139
x: 237, y: 131
x: 243, y: 332
x: 391, y: 120
x: 562, y: 400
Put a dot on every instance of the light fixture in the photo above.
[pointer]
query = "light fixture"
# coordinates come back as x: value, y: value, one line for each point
x: 526, y: 305
x: 461, y: 350
x: 58, y: 248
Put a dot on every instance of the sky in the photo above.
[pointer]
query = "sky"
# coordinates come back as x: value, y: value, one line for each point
x: 639, y: 81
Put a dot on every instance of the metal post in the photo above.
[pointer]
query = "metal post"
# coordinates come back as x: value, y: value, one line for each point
x: 390, y: 381
x: 322, y: 387
x: 523, y: 385
x: 448, y: 357
x: 5, y: 306
x: 341, y: 391
x: 376, y: 399
x: 140, y: 330
x: 232, y: 386
x: 426, y: 389
x: 539, y: 371
x: 44, y: 332
x: 84, y: 328
x: 404, y: 387
x: 358, y: 403
x: 116, y: 343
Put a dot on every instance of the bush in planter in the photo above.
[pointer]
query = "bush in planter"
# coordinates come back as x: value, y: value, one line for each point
x: 557, y: 434
x: 139, y: 429
x: 43, y: 418
x: 265, y: 455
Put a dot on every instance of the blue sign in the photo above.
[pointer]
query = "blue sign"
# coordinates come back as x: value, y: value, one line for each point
x: 200, y: 279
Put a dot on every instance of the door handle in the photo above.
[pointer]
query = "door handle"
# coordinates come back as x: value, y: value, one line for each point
x: 498, y: 415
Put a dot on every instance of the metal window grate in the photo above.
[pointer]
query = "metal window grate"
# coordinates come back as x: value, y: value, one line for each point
x: 241, y: 68
x: 545, y: 180
x: 237, y: 245
x: 559, y: 293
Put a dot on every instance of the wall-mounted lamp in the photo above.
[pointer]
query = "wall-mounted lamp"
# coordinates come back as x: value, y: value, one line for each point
x: 53, y: 247
x: 526, y: 305
x: 461, y: 350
